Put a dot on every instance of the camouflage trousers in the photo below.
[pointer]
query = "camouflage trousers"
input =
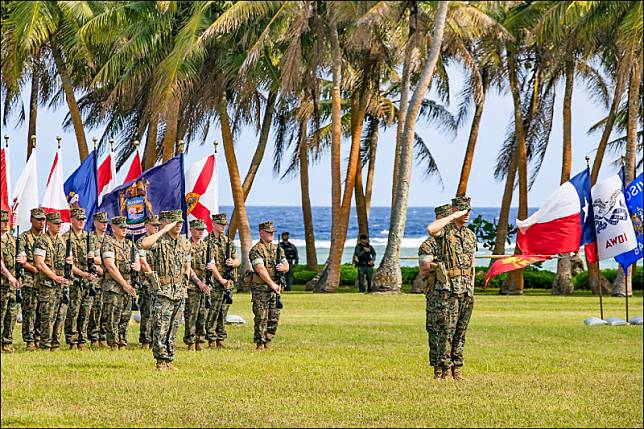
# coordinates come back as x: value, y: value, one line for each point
x: 145, y: 310
x: 78, y: 313
x: 95, y: 328
x: 267, y: 316
x: 430, y: 326
x: 216, y: 321
x: 453, y: 313
x: 30, y: 317
x: 117, y: 310
x: 195, y: 315
x: 8, y: 319
x: 52, y: 316
x: 165, y: 324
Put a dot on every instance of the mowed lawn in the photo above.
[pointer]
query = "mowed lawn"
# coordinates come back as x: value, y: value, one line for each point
x: 353, y: 360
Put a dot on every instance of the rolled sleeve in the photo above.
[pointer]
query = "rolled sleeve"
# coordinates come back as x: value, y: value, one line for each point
x: 40, y: 252
x: 256, y: 262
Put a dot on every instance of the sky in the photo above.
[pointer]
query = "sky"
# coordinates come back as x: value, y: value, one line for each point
x: 448, y: 151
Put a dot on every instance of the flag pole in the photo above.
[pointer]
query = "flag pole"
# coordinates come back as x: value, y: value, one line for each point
x: 599, y: 285
x: 626, y: 271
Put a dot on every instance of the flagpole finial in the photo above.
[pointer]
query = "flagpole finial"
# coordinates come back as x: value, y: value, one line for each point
x: 587, y: 161
x: 33, y: 140
x: 216, y: 143
x: 58, y: 139
x: 136, y: 144
x: 180, y: 146
x: 6, y: 140
x: 94, y: 140
x: 622, y: 160
x: 111, y: 145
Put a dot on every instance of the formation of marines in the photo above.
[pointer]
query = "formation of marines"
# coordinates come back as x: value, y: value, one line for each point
x: 83, y: 285
x: 446, y: 261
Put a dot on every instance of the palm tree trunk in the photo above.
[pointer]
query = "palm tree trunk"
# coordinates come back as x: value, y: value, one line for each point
x: 235, y: 182
x: 563, y: 282
x: 307, y: 213
x: 258, y: 156
x: 388, y: 276
x: 171, y: 123
x: 373, y: 146
x: 74, y: 111
x: 623, y: 281
x: 504, y: 214
x: 469, y: 152
x: 150, y: 154
x: 361, y: 203
x: 33, y: 105
x: 404, y: 94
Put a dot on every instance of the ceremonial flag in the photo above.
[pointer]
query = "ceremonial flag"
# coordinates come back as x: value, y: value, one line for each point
x: 613, y: 226
x: 5, y: 178
x: 562, y: 224
x: 80, y: 188
x: 106, y: 177
x: 135, y: 168
x: 634, y: 203
x: 159, y: 188
x: 201, y: 184
x: 25, y: 195
x: 54, y: 199
x: 511, y: 263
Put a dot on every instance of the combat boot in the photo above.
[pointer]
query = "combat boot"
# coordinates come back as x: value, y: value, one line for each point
x: 212, y: 344
x: 94, y: 343
x: 81, y: 346
x: 161, y: 365
x: 171, y: 366
x: 6, y: 348
x: 191, y: 348
x: 259, y: 346
x: 457, y: 373
x: 54, y: 349
x: 267, y: 345
x: 445, y: 374
x: 199, y: 347
x: 30, y: 347
x: 102, y: 343
x: 145, y: 346
x: 437, y: 373
x: 73, y: 347
x: 220, y: 344
x: 122, y: 347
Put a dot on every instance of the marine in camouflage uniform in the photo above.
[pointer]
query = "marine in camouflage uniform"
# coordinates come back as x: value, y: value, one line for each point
x: 95, y: 330
x: 195, y: 312
x: 263, y: 257
x: 117, y: 290
x: 8, y: 283
x: 145, y: 291
x: 216, y: 323
x: 455, y: 286
x: 49, y: 256
x: 30, y: 317
x: 171, y: 254
x: 428, y: 254
x: 83, y: 288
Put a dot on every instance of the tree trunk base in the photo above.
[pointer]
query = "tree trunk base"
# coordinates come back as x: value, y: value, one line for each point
x: 621, y: 286
x: 387, y: 279
x: 562, y: 284
x: 417, y: 285
x: 513, y: 284
x: 322, y: 282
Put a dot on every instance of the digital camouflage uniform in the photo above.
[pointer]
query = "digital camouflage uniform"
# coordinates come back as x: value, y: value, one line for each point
x: 80, y: 298
x: 95, y: 329
x: 195, y: 312
x: 30, y: 316
x: 264, y: 298
x: 455, y: 297
x: 7, y: 292
x: 50, y: 306
x: 169, y: 283
x: 429, y: 251
x: 145, y: 298
x: 216, y: 323
x: 117, y: 304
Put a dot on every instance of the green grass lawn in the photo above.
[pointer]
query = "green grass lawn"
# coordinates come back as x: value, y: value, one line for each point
x: 353, y: 360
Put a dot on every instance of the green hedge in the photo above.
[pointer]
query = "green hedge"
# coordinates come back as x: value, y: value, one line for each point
x: 534, y: 278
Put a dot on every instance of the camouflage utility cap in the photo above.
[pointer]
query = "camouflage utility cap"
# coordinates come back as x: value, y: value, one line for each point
x: 461, y: 203
x: 54, y: 217
x: 172, y: 215
x: 38, y: 213
x: 267, y: 226
x: 163, y: 214
x: 197, y: 224
x: 4, y: 216
x: 220, y: 218
x: 100, y: 217
x: 78, y: 213
x: 119, y: 221
x: 152, y: 220
x: 442, y: 211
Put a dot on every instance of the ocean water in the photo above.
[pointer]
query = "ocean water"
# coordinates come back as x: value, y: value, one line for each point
x: 290, y: 219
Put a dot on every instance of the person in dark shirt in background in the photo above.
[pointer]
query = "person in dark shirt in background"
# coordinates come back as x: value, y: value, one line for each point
x: 364, y: 257
x: 290, y: 253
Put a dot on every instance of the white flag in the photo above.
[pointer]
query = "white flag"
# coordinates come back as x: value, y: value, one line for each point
x: 613, y: 225
x: 201, y: 190
x: 54, y: 199
x: 25, y: 195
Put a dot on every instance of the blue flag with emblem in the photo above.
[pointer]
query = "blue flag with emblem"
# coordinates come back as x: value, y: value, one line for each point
x: 633, y: 194
x: 157, y: 189
x: 81, y: 188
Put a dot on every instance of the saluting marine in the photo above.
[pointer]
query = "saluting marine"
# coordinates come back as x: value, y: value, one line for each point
x: 145, y: 291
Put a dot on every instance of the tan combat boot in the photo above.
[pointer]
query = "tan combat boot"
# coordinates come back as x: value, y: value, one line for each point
x: 54, y: 349
x: 73, y: 347
x: 437, y: 373
x: 199, y: 347
x: 267, y: 345
x: 145, y: 346
x: 161, y: 365
x: 81, y: 346
x: 212, y: 344
x: 93, y: 344
x: 171, y: 366
x: 259, y: 346
x: 192, y: 348
x: 122, y: 347
x: 102, y: 343
x: 6, y: 348
x: 30, y: 346
x: 457, y: 373
x: 445, y: 374
x: 220, y: 344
